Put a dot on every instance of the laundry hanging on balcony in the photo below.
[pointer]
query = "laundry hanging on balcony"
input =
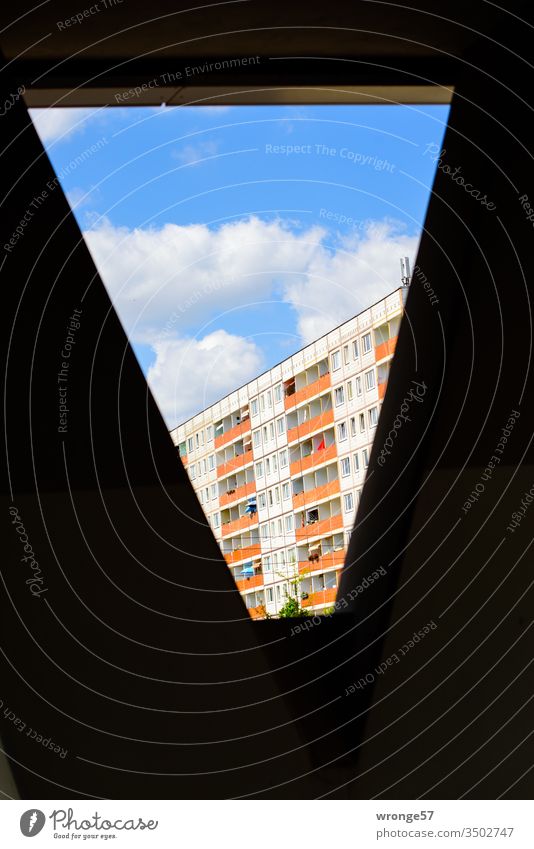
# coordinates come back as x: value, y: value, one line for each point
x: 251, y: 507
x: 247, y: 570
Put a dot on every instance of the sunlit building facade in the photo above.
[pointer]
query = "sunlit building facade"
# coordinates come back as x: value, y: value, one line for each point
x: 279, y: 464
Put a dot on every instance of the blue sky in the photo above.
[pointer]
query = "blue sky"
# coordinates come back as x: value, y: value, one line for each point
x: 228, y: 237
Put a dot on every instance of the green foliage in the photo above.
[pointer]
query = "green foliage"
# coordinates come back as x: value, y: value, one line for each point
x: 292, y: 608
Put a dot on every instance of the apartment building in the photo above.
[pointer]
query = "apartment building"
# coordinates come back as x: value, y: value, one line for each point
x: 279, y: 464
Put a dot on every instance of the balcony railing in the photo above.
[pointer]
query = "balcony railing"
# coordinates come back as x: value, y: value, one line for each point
x: 233, y: 464
x: 326, y: 561
x: 249, y: 583
x: 257, y: 612
x: 382, y: 389
x: 308, y: 391
x: 316, y: 494
x: 320, y: 528
x: 321, y: 597
x: 315, y: 459
x: 317, y: 423
x: 243, y: 554
x: 232, y: 433
x: 237, y: 494
x: 241, y: 524
x: 386, y: 348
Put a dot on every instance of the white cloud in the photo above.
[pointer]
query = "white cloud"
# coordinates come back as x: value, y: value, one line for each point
x: 190, y: 154
x: 169, y: 283
x: 191, y: 374
x: 54, y: 125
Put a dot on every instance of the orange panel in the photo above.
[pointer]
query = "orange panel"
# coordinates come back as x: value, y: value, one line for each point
x: 382, y: 389
x: 322, y: 597
x: 249, y: 583
x: 308, y: 391
x: 321, y: 528
x: 243, y: 554
x: 235, y: 463
x: 312, y: 460
x: 244, y: 523
x: 333, y: 558
x: 386, y: 348
x: 315, y: 494
x: 238, y: 494
x: 233, y: 433
x: 317, y: 423
x: 257, y: 612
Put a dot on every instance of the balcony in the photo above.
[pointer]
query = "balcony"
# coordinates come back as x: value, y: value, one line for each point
x: 249, y: 583
x: 237, y: 494
x: 243, y: 554
x: 316, y: 494
x: 308, y: 391
x: 322, y: 597
x: 317, y: 423
x: 332, y: 558
x: 233, y: 464
x: 382, y: 389
x: 257, y: 612
x: 244, y: 523
x: 233, y: 433
x: 386, y: 348
x: 298, y: 467
x: 321, y: 528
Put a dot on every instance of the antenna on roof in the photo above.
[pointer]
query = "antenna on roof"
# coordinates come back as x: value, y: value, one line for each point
x: 405, y: 271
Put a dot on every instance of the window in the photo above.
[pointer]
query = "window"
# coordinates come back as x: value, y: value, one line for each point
x: 270, y: 497
x: 353, y: 426
x: 366, y: 342
x: 370, y: 379
x: 207, y: 493
x: 267, y: 563
x: 269, y: 399
x: 190, y: 445
x: 262, y: 403
x: 264, y: 531
x: 348, y: 498
x: 336, y: 361
x: 342, y: 431
x: 197, y: 439
x: 211, y: 462
x: 281, y: 425
x: 199, y: 471
x: 271, y: 430
x: 339, y: 396
x: 268, y: 466
x: 358, y: 386
x: 204, y: 466
x: 365, y: 453
x: 259, y: 469
x: 262, y: 503
x: 254, y: 407
x: 277, y: 495
x: 270, y: 596
x: 285, y: 491
x: 349, y: 390
x: 355, y: 352
x: 362, y: 423
x: 209, y: 432
x: 216, y: 519
x: 289, y: 523
x: 256, y: 439
x: 346, y: 354
x: 278, y: 592
x: 213, y: 491
x: 275, y: 463
x: 277, y: 393
x: 356, y: 461
x: 193, y: 472
x: 265, y: 433
x: 202, y: 437
x: 283, y: 459
x: 345, y: 467
x: 373, y: 417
